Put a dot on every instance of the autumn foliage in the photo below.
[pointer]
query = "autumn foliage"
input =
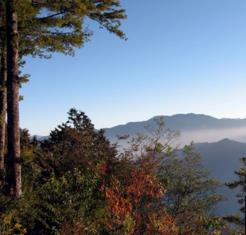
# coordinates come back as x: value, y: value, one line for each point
x: 133, y: 199
x: 76, y: 183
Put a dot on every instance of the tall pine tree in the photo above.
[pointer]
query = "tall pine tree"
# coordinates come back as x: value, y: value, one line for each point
x: 14, y: 169
x: 45, y: 27
x: 240, y: 184
x: 3, y: 92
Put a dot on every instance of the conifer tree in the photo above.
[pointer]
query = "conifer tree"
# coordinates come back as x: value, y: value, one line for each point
x: 3, y: 93
x: 240, y: 183
x: 59, y: 29
x: 3, y: 104
x: 14, y: 169
x: 191, y: 195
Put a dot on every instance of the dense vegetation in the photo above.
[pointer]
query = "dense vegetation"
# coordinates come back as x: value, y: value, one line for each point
x: 75, y: 181
x: 40, y: 28
x: 239, y: 218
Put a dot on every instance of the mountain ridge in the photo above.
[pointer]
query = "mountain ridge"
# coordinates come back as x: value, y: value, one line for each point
x: 222, y: 159
x: 193, y: 127
x: 174, y: 116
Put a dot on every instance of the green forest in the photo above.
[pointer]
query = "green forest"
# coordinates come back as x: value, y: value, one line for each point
x: 76, y: 182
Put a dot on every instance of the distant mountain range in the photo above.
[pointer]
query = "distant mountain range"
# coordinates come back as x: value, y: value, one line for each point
x: 221, y: 143
x: 192, y: 127
x: 222, y: 159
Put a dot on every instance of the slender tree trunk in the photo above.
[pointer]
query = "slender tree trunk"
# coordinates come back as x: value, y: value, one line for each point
x: 13, y: 156
x: 3, y: 106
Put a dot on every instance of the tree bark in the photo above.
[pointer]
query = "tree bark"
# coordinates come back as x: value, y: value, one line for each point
x: 13, y: 86
x: 3, y: 107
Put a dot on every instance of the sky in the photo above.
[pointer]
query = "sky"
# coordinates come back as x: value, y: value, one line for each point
x: 181, y: 56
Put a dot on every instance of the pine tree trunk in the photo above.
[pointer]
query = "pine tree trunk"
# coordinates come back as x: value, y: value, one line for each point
x: 13, y: 156
x: 3, y: 106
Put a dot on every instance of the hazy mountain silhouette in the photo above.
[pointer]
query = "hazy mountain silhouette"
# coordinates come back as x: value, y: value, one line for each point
x: 222, y: 159
x: 221, y: 143
x: 193, y: 127
x: 213, y: 141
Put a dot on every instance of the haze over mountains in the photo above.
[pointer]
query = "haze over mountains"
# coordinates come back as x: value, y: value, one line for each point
x: 222, y: 159
x: 221, y: 143
x: 192, y: 127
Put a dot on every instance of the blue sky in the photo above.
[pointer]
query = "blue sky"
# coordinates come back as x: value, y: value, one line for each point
x: 181, y: 56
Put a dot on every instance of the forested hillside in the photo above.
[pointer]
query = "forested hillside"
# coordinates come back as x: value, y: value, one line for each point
x: 134, y: 179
